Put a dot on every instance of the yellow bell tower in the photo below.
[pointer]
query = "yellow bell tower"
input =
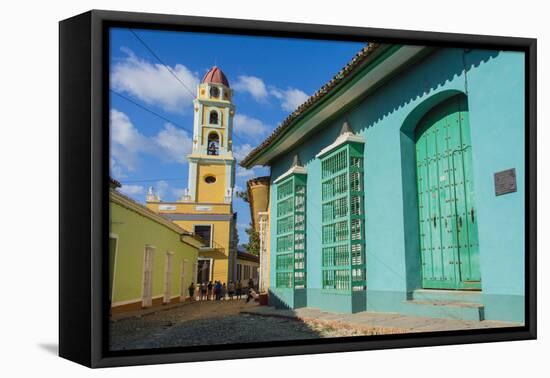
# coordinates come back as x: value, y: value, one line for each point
x: 206, y: 207
x: 211, y: 163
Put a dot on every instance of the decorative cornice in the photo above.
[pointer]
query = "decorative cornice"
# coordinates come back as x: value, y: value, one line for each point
x: 294, y: 170
x: 215, y: 159
x: 346, y: 136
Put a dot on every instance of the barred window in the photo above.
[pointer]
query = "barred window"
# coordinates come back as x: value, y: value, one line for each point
x: 342, y: 233
x: 291, y: 228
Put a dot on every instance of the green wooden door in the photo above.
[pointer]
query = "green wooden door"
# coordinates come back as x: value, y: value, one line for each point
x: 448, y: 226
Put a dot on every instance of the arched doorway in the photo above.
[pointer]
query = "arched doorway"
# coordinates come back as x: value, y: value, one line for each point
x: 449, y: 245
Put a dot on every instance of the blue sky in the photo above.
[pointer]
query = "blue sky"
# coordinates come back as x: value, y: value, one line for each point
x: 270, y: 78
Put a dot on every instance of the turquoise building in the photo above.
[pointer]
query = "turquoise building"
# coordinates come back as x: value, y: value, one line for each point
x: 399, y: 187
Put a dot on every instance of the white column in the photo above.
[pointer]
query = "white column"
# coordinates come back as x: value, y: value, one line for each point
x: 229, y: 178
x: 168, y: 277
x: 147, y: 284
x: 192, y: 181
x: 262, y: 220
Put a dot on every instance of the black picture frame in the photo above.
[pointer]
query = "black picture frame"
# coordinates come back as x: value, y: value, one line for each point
x: 83, y: 180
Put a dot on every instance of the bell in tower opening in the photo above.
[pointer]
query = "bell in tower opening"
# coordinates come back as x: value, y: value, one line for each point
x: 213, y: 143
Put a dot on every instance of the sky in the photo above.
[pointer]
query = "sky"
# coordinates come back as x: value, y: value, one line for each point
x: 151, y: 114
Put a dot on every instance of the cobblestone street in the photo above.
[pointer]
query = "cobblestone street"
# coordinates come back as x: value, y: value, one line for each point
x: 224, y: 322
x: 210, y: 323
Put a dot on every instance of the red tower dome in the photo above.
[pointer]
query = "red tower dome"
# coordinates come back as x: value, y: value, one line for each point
x: 216, y: 76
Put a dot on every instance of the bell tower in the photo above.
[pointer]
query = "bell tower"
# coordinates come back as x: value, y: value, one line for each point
x: 211, y: 162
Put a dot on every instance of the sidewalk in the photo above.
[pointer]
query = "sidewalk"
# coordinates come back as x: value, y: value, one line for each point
x: 376, y: 323
x: 198, y: 306
x: 149, y: 310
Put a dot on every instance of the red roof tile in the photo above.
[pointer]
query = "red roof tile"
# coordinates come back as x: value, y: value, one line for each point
x: 216, y: 76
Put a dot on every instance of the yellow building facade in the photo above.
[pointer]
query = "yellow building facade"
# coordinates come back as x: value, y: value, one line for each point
x: 206, y: 207
x: 258, y: 199
x: 152, y: 261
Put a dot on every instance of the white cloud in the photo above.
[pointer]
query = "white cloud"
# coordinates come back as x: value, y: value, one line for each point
x: 173, y: 143
x: 162, y: 188
x: 153, y: 83
x: 290, y: 98
x: 132, y: 190
x: 242, y: 226
x: 178, y: 192
x: 253, y: 85
x: 240, y: 151
x: 116, y: 169
x: 251, y: 127
x: 243, y: 172
x: 127, y: 144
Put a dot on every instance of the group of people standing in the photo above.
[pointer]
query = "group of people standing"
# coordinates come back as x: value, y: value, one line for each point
x: 219, y: 291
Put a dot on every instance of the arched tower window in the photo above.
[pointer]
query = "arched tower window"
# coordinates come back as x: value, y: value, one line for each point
x: 214, y: 92
x: 214, y: 117
x: 213, y: 143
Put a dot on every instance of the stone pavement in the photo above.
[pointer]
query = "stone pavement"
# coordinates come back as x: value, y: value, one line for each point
x: 210, y: 323
x: 222, y: 322
x: 375, y: 322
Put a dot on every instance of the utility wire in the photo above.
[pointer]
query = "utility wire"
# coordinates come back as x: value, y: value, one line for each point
x: 155, y: 55
x: 161, y: 62
x: 175, y: 124
x: 148, y: 110
x: 150, y: 180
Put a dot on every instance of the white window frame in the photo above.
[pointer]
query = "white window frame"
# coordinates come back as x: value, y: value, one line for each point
x: 168, y: 270
x: 147, y: 298
x: 210, y: 274
x: 211, y: 234
x: 182, y: 280
x: 114, y: 236
x: 219, y: 124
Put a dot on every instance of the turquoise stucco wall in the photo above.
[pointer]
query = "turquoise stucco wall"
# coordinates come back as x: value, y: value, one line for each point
x: 494, y: 84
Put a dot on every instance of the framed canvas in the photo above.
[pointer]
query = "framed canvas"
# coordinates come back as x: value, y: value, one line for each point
x: 235, y: 188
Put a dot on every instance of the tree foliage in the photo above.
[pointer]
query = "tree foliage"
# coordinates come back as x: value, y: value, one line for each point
x: 253, y: 245
x: 234, y: 243
x: 243, y: 195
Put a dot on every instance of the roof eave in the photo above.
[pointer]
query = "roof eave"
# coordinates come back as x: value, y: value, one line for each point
x: 260, y: 156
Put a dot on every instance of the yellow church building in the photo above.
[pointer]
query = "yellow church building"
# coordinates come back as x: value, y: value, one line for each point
x: 206, y: 207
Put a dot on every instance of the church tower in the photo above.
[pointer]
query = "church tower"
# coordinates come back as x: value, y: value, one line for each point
x: 206, y: 206
x: 211, y: 163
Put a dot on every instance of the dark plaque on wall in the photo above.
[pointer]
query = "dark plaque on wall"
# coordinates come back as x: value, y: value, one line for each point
x: 505, y: 182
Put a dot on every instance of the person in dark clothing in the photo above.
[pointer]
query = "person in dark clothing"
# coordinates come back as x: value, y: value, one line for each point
x: 203, y: 289
x: 239, y: 290
x: 192, y: 291
x: 231, y: 289
x: 210, y: 286
x: 250, y: 283
x: 224, y: 291
x: 218, y: 290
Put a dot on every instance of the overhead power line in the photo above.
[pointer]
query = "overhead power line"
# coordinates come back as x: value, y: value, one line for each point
x: 155, y: 55
x: 149, y: 110
x: 150, y: 180
x: 161, y: 62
